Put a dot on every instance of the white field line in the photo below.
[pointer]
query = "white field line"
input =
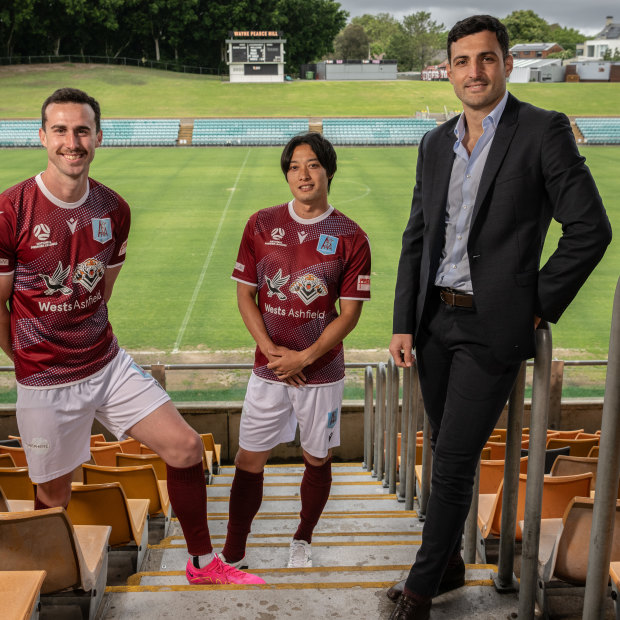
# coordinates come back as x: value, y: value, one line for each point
x: 216, y: 237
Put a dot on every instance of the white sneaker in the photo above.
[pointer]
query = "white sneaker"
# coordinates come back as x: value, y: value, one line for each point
x: 242, y: 564
x: 299, y: 554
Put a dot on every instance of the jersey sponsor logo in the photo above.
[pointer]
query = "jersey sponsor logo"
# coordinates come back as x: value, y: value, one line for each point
x: 363, y: 283
x: 239, y: 267
x: 123, y: 249
x: 294, y: 314
x: 277, y: 235
x: 274, y: 284
x: 327, y: 245
x: 88, y: 273
x: 102, y: 229
x: 55, y: 282
x: 42, y: 232
x: 332, y: 418
x: 302, y: 236
x: 308, y: 287
x: 72, y: 224
x: 4, y: 262
x: 67, y: 306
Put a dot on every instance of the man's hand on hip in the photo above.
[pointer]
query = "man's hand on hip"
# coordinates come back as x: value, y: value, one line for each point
x: 401, y: 348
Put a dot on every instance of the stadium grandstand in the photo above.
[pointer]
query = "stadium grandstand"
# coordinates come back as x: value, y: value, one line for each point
x: 599, y: 130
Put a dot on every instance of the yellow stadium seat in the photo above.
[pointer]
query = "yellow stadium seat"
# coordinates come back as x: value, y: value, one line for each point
x: 21, y: 593
x: 16, y: 484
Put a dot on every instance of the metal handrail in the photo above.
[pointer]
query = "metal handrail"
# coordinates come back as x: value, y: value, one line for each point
x: 535, y: 471
x: 392, y: 395
x: 607, y: 474
x: 379, y: 422
x: 369, y: 418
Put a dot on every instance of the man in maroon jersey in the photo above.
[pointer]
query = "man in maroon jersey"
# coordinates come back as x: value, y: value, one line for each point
x: 63, y: 240
x: 295, y: 261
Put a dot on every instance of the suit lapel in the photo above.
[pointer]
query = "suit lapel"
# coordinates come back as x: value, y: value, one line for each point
x: 501, y: 141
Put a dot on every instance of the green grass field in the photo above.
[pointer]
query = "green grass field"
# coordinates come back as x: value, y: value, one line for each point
x: 190, y: 205
x: 136, y: 92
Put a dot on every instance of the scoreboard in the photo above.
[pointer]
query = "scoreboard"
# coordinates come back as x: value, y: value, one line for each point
x: 255, y: 54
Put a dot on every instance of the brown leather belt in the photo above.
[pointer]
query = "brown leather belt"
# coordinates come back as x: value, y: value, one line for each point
x: 453, y: 298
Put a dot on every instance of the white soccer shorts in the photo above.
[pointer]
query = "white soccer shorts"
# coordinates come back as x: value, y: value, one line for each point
x: 271, y: 412
x: 55, y: 423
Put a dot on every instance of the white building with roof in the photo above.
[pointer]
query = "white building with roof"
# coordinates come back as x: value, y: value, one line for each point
x: 537, y: 70
x: 606, y: 39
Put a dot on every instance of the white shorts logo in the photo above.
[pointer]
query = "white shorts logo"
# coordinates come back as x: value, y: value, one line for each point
x: 38, y: 444
x: 42, y: 232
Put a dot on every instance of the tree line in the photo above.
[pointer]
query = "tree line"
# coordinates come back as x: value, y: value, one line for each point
x: 417, y: 40
x: 193, y: 32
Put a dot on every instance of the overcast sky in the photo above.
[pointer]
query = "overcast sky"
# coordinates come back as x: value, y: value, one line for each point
x: 586, y: 16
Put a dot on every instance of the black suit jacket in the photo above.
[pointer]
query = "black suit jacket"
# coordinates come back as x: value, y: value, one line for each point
x: 533, y: 172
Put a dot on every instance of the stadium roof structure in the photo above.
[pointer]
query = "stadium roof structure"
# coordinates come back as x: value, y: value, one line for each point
x: 532, y: 47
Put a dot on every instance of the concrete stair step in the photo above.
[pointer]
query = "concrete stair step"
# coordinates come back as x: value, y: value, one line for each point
x: 291, y: 489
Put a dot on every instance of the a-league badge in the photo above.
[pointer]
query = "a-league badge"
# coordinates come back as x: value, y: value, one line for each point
x: 327, y: 244
x: 332, y: 418
x: 102, y: 229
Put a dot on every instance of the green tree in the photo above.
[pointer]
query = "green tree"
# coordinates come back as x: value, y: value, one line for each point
x: 525, y: 26
x: 567, y: 38
x: 418, y: 41
x: 352, y: 43
x: 310, y: 27
x: 380, y: 29
x: 13, y: 15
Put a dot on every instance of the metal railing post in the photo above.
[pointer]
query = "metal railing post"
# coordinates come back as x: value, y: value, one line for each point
x: 427, y: 464
x: 471, y: 524
x: 606, y: 479
x: 389, y: 415
x: 535, y: 471
x: 407, y: 406
x: 369, y: 418
x: 158, y: 372
x: 393, y: 396
x: 505, y: 580
x: 379, y: 418
x: 412, y: 428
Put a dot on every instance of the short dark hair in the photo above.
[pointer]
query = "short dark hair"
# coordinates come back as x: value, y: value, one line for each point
x: 322, y: 148
x: 478, y: 23
x: 71, y: 95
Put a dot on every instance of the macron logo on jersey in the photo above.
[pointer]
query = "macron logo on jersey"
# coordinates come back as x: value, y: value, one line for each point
x: 72, y: 224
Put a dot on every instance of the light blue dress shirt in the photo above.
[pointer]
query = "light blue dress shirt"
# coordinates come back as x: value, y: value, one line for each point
x: 467, y: 170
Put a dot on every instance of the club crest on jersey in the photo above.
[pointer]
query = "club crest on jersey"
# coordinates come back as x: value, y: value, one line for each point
x: 308, y: 287
x: 102, y: 229
x: 327, y: 245
x: 276, y: 237
x: 274, y: 284
x: 88, y: 273
x: 55, y: 282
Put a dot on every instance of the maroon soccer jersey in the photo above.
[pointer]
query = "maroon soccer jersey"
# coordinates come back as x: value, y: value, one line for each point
x: 300, y: 268
x: 58, y: 251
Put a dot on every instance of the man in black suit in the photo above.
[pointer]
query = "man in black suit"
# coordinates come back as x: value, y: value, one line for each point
x: 470, y: 289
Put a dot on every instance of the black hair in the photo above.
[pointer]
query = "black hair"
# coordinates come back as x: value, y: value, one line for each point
x: 322, y: 148
x: 71, y: 95
x: 475, y: 24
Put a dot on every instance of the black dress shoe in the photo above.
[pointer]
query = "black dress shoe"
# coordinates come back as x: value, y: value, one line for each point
x: 453, y: 578
x: 409, y: 608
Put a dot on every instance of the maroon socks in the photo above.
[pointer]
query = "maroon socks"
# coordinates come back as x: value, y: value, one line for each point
x: 246, y: 496
x: 315, y: 487
x: 188, y: 496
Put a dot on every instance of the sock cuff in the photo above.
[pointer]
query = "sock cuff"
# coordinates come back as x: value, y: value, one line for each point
x: 184, y: 474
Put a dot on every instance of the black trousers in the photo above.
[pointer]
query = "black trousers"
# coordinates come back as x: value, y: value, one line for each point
x: 464, y: 390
